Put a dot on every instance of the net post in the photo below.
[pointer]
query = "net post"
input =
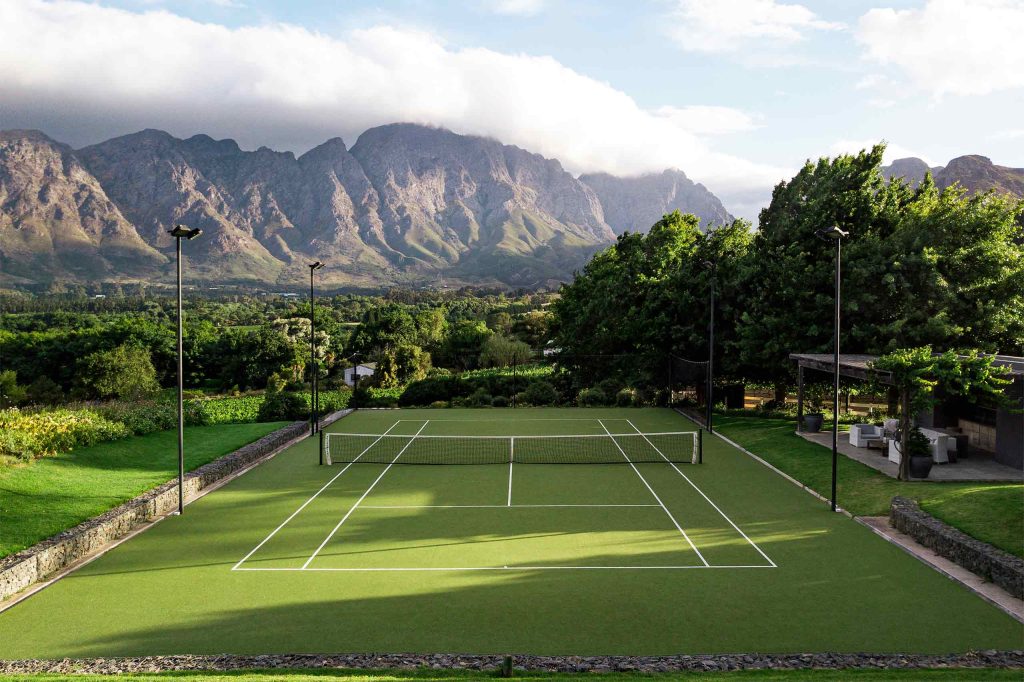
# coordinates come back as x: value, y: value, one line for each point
x: 700, y: 446
x: 321, y: 448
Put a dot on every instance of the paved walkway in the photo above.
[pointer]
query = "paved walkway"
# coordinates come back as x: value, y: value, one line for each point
x: 977, y: 467
x: 986, y: 590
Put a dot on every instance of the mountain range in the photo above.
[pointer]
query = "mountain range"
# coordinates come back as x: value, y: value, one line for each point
x: 973, y: 172
x: 406, y: 204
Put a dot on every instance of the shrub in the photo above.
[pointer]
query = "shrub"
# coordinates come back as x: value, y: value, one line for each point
x: 433, y: 389
x: 439, y: 403
x: 591, y: 397
x: 540, y: 392
x: 37, y: 433
x: 480, y: 398
x: 283, y: 406
x: 11, y: 393
x: 627, y: 397
x: 123, y: 372
x: 610, y: 387
x: 499, y: 401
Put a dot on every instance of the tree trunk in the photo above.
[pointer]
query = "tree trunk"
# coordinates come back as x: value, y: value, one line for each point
x: 780, y: 395
x: 892, y: 396
x: 904, y: 474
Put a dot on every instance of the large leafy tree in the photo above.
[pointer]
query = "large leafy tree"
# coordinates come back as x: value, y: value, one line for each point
x: 647, y: 296
x: 386, y: 327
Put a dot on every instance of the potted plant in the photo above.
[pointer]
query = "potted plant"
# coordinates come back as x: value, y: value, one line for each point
x: 815, y: 395
x: 920, y: 453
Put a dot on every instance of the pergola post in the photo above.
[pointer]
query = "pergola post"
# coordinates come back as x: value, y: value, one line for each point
x: 800, y: 399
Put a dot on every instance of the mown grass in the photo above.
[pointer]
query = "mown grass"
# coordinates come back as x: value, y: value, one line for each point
x: 991, y: 512
x: 41, y: 498
x: 981, y: 674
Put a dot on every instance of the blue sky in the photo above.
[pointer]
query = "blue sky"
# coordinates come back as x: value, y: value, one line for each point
x: 737, y: 93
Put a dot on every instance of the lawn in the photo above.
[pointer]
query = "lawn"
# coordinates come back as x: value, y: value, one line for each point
x: 937, y: 674
x: 46, y: 496
x: 991, y: 512
x: 512, y: 557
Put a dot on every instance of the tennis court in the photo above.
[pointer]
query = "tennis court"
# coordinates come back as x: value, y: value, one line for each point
x: 545, y: 493
x: 576, y: 531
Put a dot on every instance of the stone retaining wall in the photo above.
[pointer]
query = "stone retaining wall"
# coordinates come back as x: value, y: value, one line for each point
x: 45, y: 559
x: 562, y: 664
x: 991, y: 563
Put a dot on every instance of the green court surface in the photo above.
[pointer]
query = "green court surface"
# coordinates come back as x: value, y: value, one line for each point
x: 638, y: 557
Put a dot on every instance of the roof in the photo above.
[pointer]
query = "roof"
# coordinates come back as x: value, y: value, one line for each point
x: 858, y: 365
x: 367, y: 365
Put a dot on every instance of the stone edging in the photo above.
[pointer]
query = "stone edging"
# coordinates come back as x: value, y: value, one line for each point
x: 39, y: 562
x: 575, y: 664
x: 982, y: 559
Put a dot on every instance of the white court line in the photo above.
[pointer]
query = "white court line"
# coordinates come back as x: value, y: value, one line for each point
x: 633, y: 466
x: 296, y: 512
x: 487, y: 506
x: 499, y: 568
x: 687, y: 478
x: 511, y: 421
x: 323, y: 544
x: 511, y: 458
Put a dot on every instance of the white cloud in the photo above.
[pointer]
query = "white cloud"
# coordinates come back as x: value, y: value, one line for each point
x: 708, y: 120
x: 736, y: 25
x: 892, y: 151
x: 521, y: 8
x: 956, y: 47
x: 287, y: 87
x: 1013, y: 134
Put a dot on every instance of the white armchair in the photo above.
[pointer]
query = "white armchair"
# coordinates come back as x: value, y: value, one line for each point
x: 865, y: 435
x: 940, y: 449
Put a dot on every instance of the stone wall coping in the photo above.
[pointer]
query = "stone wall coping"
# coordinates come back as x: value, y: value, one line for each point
x: 564, y: 664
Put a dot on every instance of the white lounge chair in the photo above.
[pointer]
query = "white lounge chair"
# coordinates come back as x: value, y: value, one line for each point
x: 865, y: 435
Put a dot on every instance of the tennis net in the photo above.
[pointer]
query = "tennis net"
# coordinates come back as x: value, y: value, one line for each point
x: 678, y: 447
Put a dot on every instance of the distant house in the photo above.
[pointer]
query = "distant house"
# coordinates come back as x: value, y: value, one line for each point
x: 363, y: 370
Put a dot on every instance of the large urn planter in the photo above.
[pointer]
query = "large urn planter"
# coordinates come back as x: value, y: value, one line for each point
x: 813, y: 422
x: 920, y: 466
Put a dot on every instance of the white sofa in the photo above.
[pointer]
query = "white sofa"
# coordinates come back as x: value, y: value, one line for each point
x: 941, y: 445
x: 865, y: 435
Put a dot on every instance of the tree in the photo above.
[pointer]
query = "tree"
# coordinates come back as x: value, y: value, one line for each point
x: 125, y: 372
x: 499, y: 322
x: 533, y: 328
x: 382, y: 328
x: 918, y: 374
x: 11, y: 393
x: 401, y: 365
x: 501, y: 351
x: 461, y: 348
x: 431, y: 327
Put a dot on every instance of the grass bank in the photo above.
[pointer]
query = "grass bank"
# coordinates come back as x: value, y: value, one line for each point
x: 991, y: 512
x: 41, y: 498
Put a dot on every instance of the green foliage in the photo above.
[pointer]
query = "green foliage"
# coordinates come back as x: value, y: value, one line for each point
x: 626, y: 397
x: 283, y: 406
x: 591, y: 397
x: 11, y: 393
x: 479, y: 398
x: 501, y: 351
x: 124, y: 372
x: 35, y: 433
x: 399, y: 365
x: 44, y: 391
x: 461, y: 348
x: 540, y: 393
x: 918, y: 444
x: 385, y: 328
x: 500, y: 401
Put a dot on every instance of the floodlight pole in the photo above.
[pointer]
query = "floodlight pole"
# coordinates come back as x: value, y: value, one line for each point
x: 314, y: 394
x: 835, y: 234
x: 709, y: 264
x: 179, y: 232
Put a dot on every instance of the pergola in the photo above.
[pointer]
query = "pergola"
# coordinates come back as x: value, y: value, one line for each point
x: 851, y: 365
x: 1009, y: 423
